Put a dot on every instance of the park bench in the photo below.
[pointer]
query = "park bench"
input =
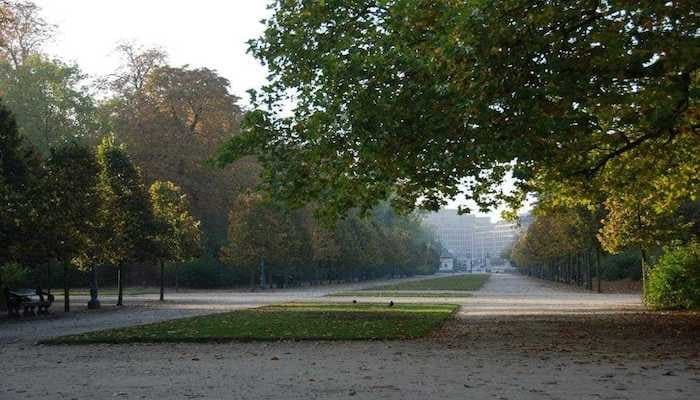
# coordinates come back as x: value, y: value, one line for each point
x: 30, y: 301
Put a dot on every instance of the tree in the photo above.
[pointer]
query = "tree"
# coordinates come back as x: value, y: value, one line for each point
x: 325, y: 249
x: 173, y: 119
x: 74, y: 209
x: 178, y: 235
x: 52, y: 104
x: 417, y: 101
x: 258, y: 236
x: 23, y: 31
x: 20, y: 177
x: 126, y: 209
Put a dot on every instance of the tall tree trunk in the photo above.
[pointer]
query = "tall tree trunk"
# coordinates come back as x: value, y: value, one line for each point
x: 66, y: 289
x: 94, y: 303
x: 589, y: 270
x: 645, y: 266
x: 48, y: 277
x: 262, y: 273
x: 120, y: 285
x: 162, y: 280
x: 177, y: 279
x: 598, y: 272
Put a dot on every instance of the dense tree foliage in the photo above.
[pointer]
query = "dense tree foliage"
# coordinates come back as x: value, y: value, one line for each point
x: 675, y: 281
x: 49, y: 98
x: 282, y: 246
x: 589, y: 107
x: 173, y: 119
x: 20, y: 186
x: 71, y: 213
x: 127, y: 209
x: 416, y: 101
x: 177, y: 234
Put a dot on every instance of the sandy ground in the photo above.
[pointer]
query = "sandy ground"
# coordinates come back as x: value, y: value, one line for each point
x: 515, y: 339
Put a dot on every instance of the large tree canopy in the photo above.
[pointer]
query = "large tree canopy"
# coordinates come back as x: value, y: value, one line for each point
x: 420, y: 100
x: 173, y: 119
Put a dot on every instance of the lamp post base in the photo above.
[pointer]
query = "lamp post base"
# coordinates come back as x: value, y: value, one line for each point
x: 93, y: 304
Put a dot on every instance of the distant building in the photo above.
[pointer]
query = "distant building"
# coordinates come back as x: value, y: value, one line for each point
x: 475, y: 243
x: 447, y: 264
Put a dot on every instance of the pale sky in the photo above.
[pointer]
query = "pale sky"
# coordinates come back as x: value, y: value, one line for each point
x: 202, y: 33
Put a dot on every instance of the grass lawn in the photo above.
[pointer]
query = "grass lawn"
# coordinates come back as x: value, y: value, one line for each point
x: 401, y: 293
x: 295, y: 321
x: 459, y: 282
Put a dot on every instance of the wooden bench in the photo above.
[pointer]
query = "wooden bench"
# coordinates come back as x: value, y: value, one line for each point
x: 30, y: 301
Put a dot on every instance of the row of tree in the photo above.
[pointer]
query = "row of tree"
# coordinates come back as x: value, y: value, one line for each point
x: 575, y: 244
x: 282, y: 247
x: 589, y: 107
x: 172, y: 118
x: 79, y: 207
x: 76, y: 198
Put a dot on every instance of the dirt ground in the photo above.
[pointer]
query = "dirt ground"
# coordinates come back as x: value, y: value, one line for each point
x: 515, y: 339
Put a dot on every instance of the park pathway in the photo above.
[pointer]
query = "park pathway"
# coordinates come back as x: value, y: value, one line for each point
x: 516, y: 339
x: 145, y: 308
x: 515, y: 294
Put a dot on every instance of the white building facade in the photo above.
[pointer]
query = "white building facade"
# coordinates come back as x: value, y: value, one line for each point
x: 474, y: 242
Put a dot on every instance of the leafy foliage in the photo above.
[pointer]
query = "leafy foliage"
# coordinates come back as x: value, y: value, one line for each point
x: 12, y: 275
x: 20, y: 191
x: 73, y: 203
x: 126, y: 207
x: 292, y: 245
x: 173, y: 119
x: 178, y: 234
x: 51, y: 102
x: 415, y: 101
x: 674, y: 282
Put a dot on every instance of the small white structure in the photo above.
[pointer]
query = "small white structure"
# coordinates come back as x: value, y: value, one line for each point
x: 447, y: 262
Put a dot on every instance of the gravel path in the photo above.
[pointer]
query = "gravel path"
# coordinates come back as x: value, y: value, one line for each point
x: 515, y: 339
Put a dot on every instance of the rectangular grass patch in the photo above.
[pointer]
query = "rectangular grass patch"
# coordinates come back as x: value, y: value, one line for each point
x: 297, y: 321
x: 401, y: 293
x: 460, y: 282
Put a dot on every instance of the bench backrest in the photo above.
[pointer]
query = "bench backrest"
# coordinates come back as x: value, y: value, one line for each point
x: 22, y: 292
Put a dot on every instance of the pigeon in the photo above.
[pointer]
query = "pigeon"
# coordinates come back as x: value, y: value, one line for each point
x: 354, y: 302
x: 391, y: 303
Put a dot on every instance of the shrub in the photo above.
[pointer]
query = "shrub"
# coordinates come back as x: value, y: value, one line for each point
x: 206, y: 273
x: 674, y: 282
x: 627, y: 264
x: 11, y: 276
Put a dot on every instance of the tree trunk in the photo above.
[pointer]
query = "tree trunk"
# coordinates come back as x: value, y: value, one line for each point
x: 262, y: 273
x: 645, y: 266
x: 94, y: 303
x: 589, y: 271
x: 120, y: 285
x: 162, y: 280
x: 48, y: 277
x: 177, y: 279
x: 598, y: 272
x: 66, y: 289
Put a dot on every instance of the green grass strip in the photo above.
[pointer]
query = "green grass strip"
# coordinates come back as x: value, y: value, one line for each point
x: 468, y: 282
x: 297, y: 321
x: 402, y: 293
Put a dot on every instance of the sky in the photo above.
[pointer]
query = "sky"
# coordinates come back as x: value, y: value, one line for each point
x: 202, y: 33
